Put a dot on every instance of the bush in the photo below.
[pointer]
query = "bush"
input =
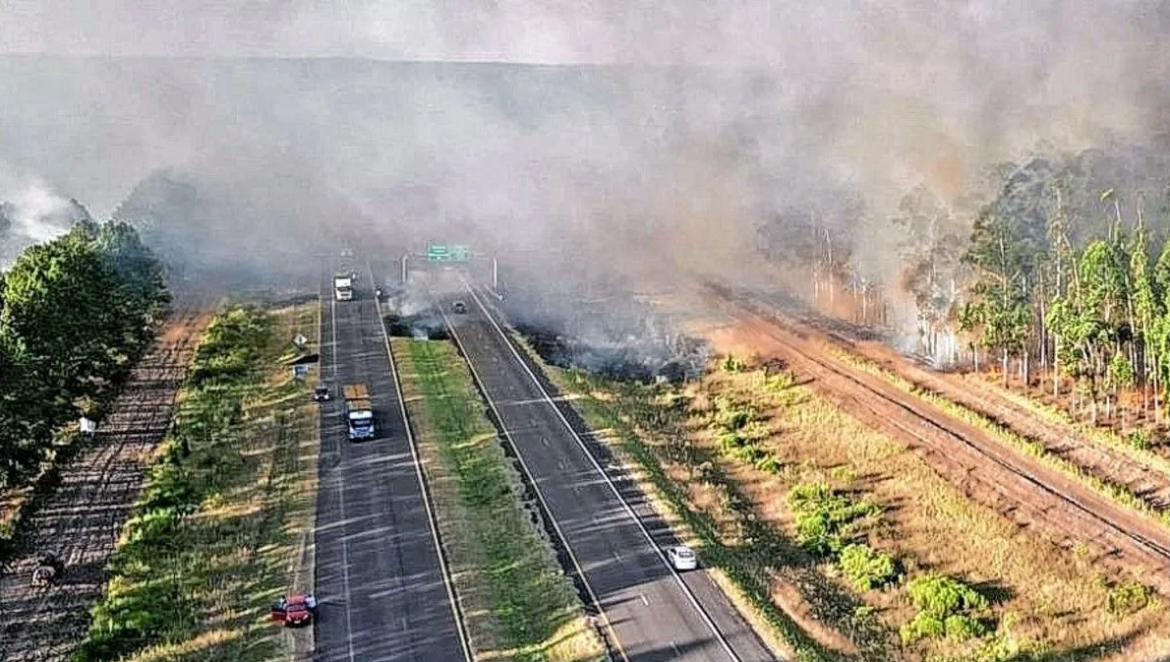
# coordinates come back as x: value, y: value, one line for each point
x: 946, y: 607
x: 942, y: 596
x: 824, y: 517
x: 867, y: 568
x: 769, y: 464
x: 922, y: 626
x: 1129, y: 598
x: 961, y: 627
x: 1139, y: 440
x: 733, y: 365
x: 733, y: 419
x: 816, y: 533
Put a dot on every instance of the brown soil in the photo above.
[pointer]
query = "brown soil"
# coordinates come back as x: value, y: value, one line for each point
x: 1065, y: 511
x: 80, y: 522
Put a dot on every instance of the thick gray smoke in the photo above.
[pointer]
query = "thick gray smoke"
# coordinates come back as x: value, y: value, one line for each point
x: 648, y: 138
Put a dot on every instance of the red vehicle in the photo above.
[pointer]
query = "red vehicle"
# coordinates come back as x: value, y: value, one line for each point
x: 295, y: 611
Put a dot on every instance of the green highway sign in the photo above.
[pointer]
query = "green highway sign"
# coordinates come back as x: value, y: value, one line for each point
x: 445, y: 253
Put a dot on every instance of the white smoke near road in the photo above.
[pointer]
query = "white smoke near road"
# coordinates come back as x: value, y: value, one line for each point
x: 576, y: 139
x: 32, y: 213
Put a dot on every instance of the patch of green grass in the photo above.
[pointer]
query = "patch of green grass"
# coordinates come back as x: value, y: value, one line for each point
x: 208, y: 546
x: 535, y: 612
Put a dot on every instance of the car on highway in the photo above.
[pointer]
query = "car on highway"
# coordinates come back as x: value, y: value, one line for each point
x: 345, y: 252
x: 682, y: 558
x: 320, y: 393
x: 295, y: 611
x: 459, y: 307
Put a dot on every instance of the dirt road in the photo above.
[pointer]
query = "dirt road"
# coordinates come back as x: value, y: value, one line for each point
x: 82, y: 519
x: 1063, y: 510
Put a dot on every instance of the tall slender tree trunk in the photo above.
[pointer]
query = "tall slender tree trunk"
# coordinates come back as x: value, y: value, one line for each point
x: 1055, y: 366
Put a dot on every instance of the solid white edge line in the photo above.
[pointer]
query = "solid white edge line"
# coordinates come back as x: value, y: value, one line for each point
x: 340, y: 475
x: 539, y: 495
x: 629, y: 510
x: 448, y: 582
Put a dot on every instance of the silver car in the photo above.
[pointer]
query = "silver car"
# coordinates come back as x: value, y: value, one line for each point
x: 682, y: 558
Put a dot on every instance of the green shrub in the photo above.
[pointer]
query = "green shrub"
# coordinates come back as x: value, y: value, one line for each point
x: 1139, y: 440
x: 769, y: 464
x: 1129, y: 598
x: 946, y: 607
x: 733, y: 365
x: 942, y: 596
x: 816, y: 533
x: 778, y: 382
x: 867, y: 568
x: 824, y: 516
x: 961, y: 627
x: 922, y: 626
x: 733, y: 419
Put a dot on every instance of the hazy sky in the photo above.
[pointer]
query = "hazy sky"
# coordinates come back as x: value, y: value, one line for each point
x: 876, y: 95
x: 547, y: 31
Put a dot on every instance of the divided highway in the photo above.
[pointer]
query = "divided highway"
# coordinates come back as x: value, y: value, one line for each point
x: 651, y: 612
x: 380, y: 578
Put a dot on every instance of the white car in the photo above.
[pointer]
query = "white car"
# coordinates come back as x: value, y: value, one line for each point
x: 682, y: 557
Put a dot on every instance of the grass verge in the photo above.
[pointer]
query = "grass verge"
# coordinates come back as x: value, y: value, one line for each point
x: 1045, y: 603
x: 1118, y: 493
x: 739, y: 567
x: 219, y: 525
x: 518, y: 602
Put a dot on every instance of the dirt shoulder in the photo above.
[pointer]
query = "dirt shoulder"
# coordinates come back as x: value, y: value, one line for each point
x: 81, y: 519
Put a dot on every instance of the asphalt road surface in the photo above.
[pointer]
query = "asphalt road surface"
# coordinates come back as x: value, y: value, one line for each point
x: 379, y: 576
x: 653, y: 617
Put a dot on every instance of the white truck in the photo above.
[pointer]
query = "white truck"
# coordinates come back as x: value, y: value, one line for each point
x: 343, y: 288
x: 359, y: 413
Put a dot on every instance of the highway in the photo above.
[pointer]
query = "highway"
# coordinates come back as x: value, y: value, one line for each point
x: 379, y: 577
x: 653, y: 613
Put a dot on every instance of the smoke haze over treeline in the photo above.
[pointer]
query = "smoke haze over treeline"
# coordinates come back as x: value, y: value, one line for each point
x: 659, y: 136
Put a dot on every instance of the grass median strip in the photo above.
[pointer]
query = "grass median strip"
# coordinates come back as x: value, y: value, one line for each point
x: 517, y: 600
x: 218, y: 526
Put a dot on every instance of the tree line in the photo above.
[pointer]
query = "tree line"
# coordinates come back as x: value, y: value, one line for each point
x: 1093, y: 310
x: 1053, y: 269
x: 75, y: 313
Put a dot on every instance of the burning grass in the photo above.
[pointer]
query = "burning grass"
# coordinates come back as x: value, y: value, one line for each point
x: 222, y: 519
x: 1037, y: 602
x: 518, y: 602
